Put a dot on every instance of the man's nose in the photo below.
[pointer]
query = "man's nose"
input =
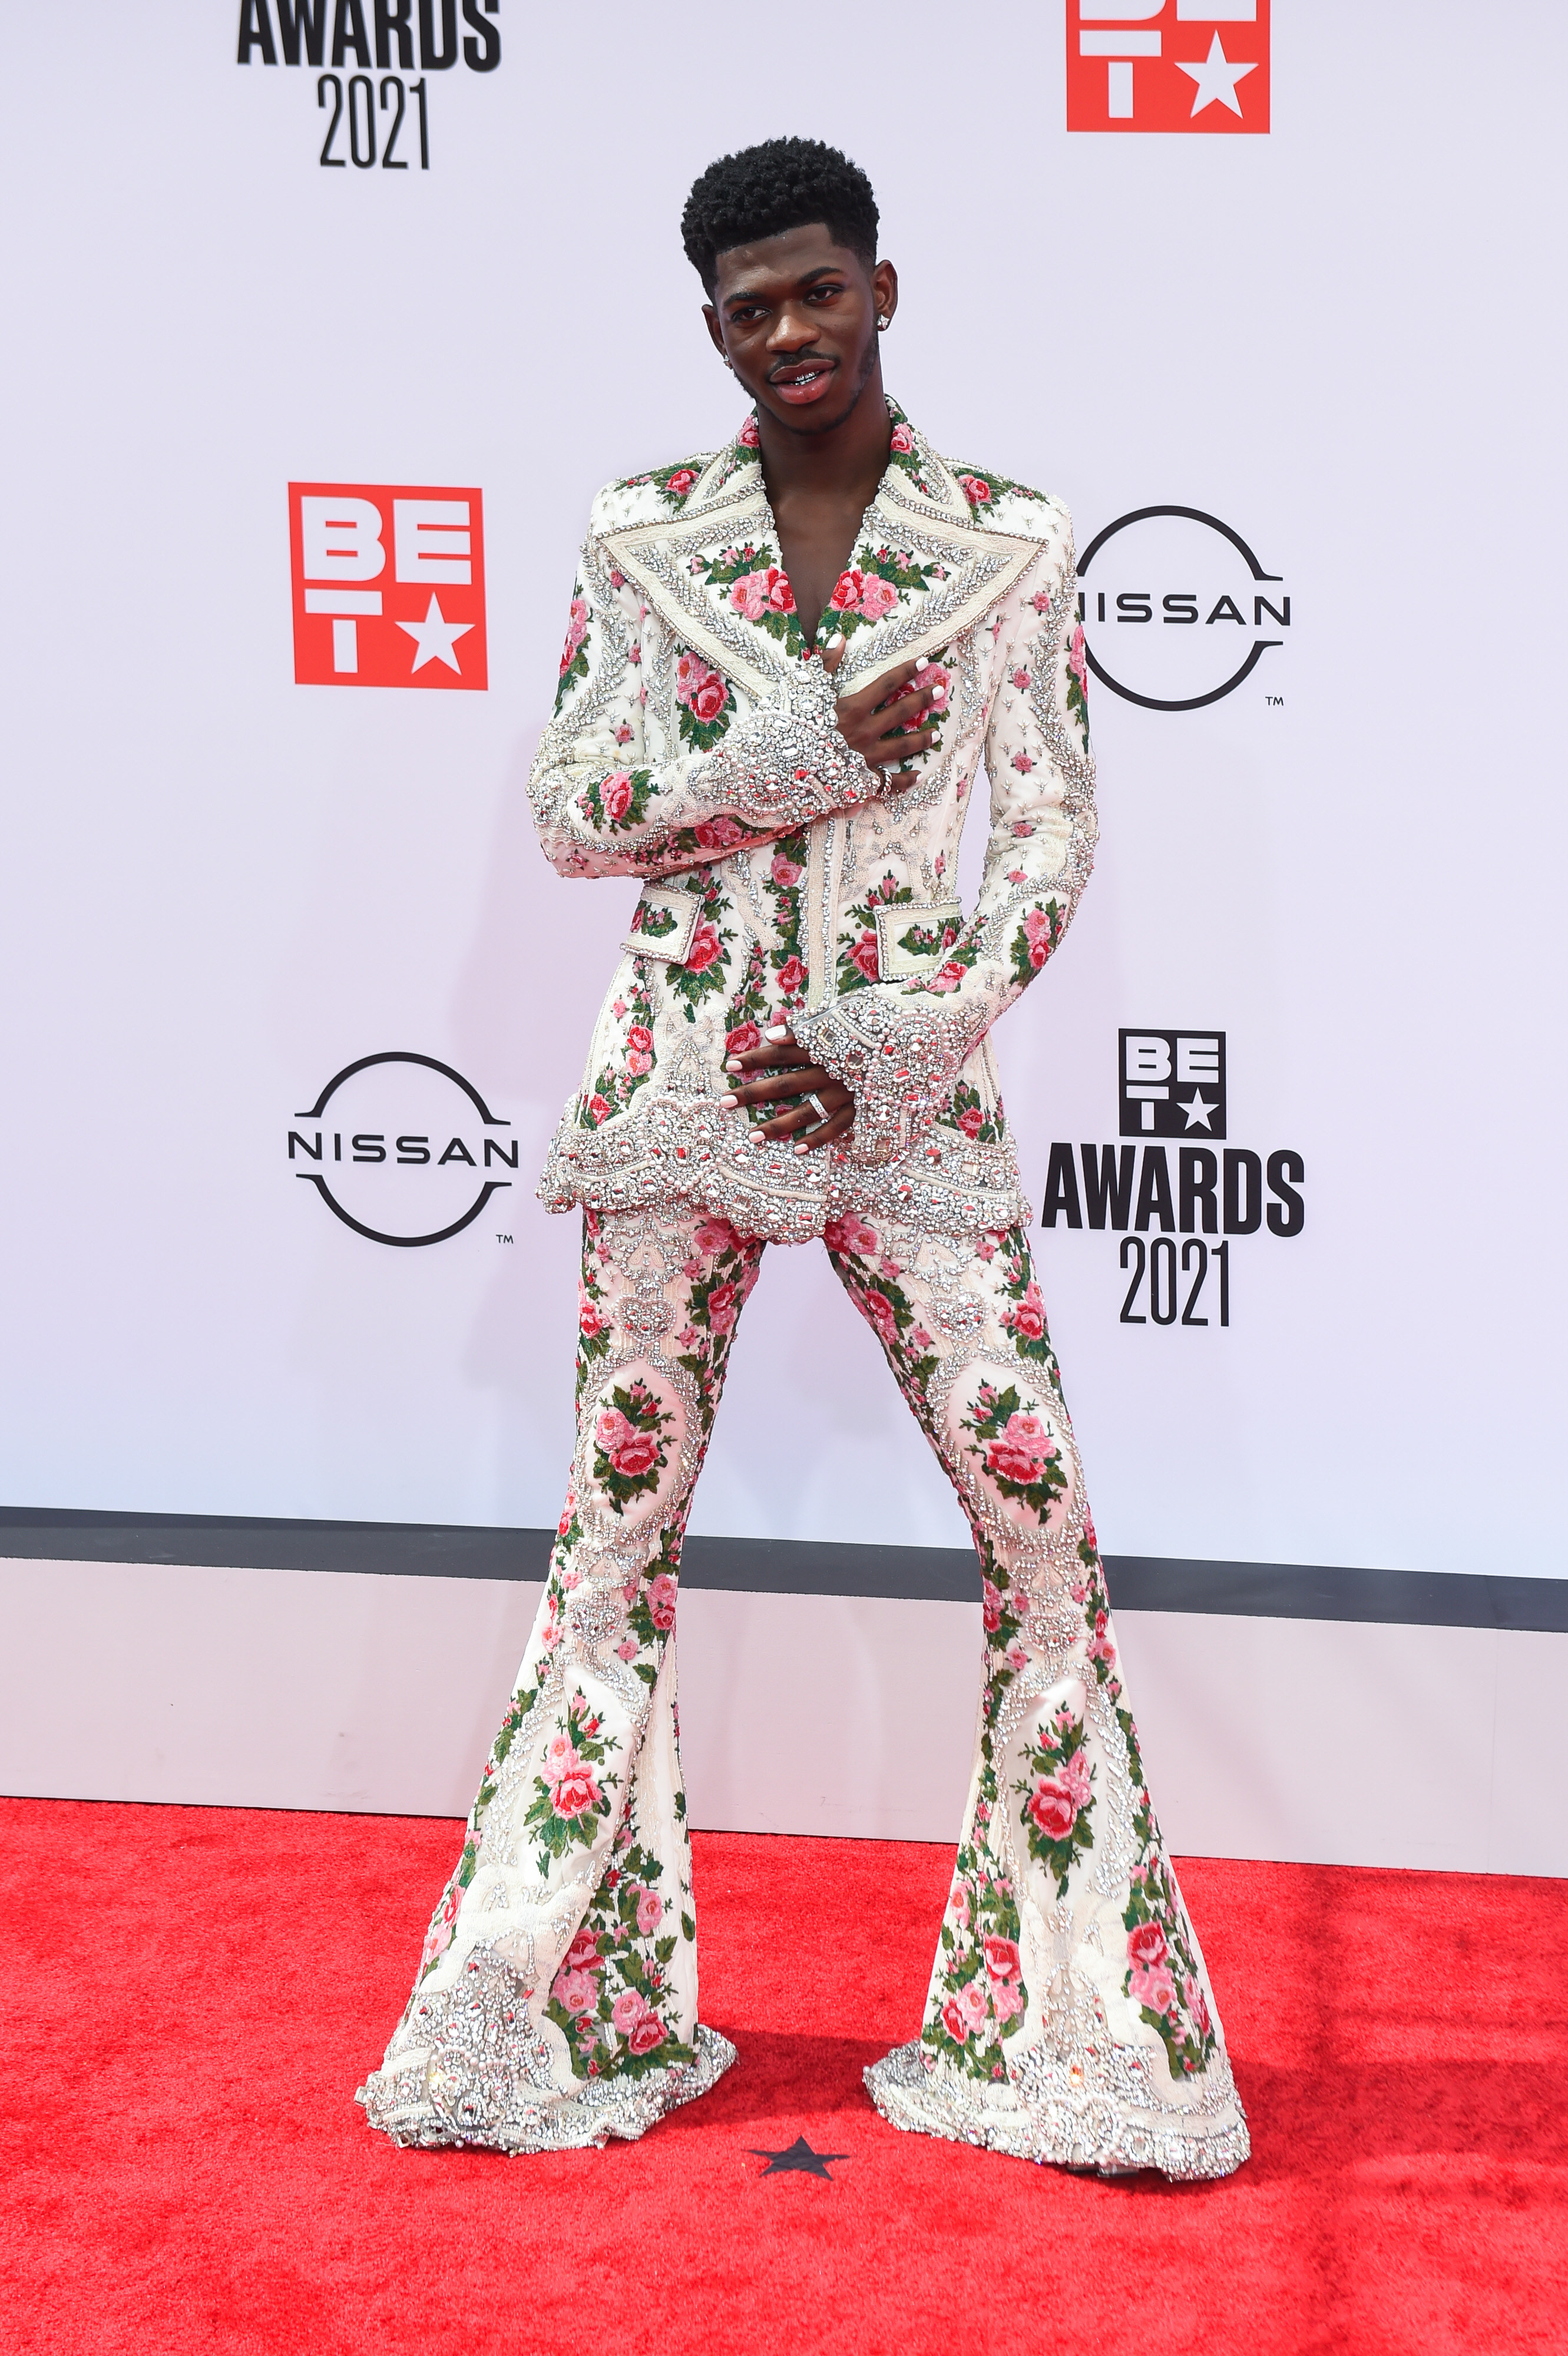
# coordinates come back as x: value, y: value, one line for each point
x: 794, y: 327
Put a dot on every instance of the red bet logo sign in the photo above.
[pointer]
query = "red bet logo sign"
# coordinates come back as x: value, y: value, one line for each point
x: 389, y: 586
x: 1167, y: 65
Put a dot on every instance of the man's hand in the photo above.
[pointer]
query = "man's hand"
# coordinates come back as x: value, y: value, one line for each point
x: 784, y: 1073
x: 894, y: 718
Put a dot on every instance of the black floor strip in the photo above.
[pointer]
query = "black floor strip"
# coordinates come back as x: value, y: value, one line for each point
x: 1269, y: 1590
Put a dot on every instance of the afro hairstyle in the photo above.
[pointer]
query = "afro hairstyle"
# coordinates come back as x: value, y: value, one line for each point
x: 763, y: 191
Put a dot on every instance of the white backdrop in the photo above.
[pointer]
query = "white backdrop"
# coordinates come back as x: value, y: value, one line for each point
x: 1344, y: 339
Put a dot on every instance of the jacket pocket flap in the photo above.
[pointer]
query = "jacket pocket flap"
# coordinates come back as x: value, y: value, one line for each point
x: 914, y: 936
x: 664, y: 924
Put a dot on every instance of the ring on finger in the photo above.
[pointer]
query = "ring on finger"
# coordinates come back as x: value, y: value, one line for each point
x: 818, y: 1107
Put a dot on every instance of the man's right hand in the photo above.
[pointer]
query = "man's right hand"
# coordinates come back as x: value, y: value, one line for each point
x: 894, y: 718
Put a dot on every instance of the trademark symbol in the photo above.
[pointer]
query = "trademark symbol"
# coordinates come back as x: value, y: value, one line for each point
x: 503, y: 1240
x: 1275, y: 700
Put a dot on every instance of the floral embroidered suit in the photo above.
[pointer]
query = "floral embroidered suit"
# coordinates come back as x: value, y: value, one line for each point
x: 1069, y: 2015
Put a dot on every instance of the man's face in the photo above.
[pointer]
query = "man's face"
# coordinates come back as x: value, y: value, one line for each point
x: 796, y: 316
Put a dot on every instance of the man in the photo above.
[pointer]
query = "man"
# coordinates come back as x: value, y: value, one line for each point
x: 786, y: 662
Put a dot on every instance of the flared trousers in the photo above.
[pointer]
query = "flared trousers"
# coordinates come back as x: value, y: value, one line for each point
x: 1068, y: 2017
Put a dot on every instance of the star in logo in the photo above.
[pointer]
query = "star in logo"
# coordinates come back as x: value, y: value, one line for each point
x: 1215, y: 77
x: 798, y: 2160
x: 436, y: 637
x: 1197, y: 1109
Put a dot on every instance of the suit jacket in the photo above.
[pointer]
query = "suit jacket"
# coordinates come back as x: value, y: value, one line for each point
x: 694, y: 744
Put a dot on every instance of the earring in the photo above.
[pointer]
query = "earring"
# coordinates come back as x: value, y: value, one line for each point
x: 727, y: 361
x: 883, y: 322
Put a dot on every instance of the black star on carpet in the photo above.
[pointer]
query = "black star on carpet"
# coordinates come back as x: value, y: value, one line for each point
x: 798, y: 2160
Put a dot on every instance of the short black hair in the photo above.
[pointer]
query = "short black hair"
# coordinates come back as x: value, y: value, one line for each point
x: 762, y: 191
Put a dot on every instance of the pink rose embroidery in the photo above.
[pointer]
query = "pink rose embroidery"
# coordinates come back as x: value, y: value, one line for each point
x: 991, y: 1606
x: 589, y: 1321
x: 1020, y: 679
x: 1146, y: 1947
x: 879, y: 1309
x: 636, y: 2021
x: 611, y: 1430
x: 723, y: 1308
x: 851, y: 1234
x: 575, y: 1992
x: 661, y: 1597
x: 1155, y: 1988
x: 1037, y: 933
x: 846, y: 590
x: 649, y: 1913
x: 748, y: 437
x: 583, y: 1954
x: 877, y: 597
x: 948, y: 977
x: 902, y: 439
x: 786, y: 873
x: 1020, y: 1449
x: 973, y: 2004
x: 1074, y: 1779
x: 615, y: 794
x: 1006, y: 2000
x: 573, y: 1791
x: 1028, y: 1316
x: 681, y: 480
x: 953, y: 2021
x: 715, y: 1236
x: 720, y: 833
x: 576, y: 631
x: 742, y: 1039
x: 1078, y: 657
x: 635, y: 1456
x: 791, y: 978
x: 1002, y: 1959
x: 976, y: 489
x: 705, y: 947
x: 1053, y: 1810
x: 972, y: 1121
x: 863, y: 956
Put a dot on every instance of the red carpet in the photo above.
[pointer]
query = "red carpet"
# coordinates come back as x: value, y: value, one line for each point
x: 196, y: 1992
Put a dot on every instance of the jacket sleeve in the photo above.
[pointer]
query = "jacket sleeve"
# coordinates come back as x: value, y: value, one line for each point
x: 602, y: 808
x: 900, y: 1046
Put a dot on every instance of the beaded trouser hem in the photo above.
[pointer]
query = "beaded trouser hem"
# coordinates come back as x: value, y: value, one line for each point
x: 1067, y: 2122
x: 500, y: 2117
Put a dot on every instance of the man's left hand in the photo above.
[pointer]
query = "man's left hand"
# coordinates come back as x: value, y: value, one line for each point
x: 781, y: 1070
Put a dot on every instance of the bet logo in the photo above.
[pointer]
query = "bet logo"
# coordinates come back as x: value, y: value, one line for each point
x: 1150, y: 65
x: 389, y: 586
x: 1173, y: 1083
x: 398, y: 1147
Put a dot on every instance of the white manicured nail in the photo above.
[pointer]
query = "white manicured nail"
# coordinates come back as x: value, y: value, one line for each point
x: 727, y: 1103
x: 779, y: 1031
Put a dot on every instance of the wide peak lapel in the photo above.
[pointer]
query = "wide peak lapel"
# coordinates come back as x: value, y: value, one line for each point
x: 687, y: 567
x: 929, y: 569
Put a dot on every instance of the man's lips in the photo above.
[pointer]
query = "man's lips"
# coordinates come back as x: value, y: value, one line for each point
x: 802, y: 380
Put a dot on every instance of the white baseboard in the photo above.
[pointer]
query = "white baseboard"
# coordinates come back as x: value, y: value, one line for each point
x: 1321, y: 1742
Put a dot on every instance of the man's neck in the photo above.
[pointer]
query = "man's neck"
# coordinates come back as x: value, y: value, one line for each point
x: 841, y: 468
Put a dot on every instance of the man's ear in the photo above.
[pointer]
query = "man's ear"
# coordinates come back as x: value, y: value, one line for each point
x: 885, y: 287
x: 715, y: 330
